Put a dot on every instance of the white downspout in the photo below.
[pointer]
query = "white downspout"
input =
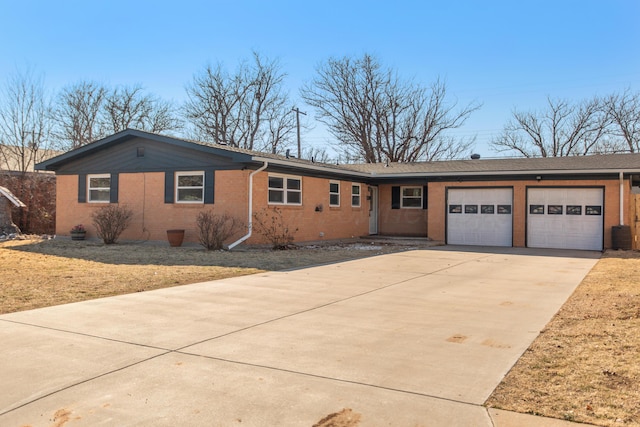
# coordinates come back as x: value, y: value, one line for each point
x: 250, y: 227
x: 621, y: 199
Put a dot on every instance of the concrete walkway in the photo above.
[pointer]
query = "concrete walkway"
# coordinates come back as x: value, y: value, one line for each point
x: 417, y: 338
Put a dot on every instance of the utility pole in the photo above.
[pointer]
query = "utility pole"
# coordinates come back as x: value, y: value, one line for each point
x: 298, y: 112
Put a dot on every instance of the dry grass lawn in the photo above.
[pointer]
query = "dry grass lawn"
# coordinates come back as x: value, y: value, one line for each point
x: 584, y: 366
x: 41, y: 273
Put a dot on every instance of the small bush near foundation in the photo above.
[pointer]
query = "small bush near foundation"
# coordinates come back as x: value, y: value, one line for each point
x: 271, y: 225
x: 214, y: 229
x: 111, y: 221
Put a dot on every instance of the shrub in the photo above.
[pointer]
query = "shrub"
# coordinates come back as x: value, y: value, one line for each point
x: 214, y: 229
x: 111, y: 221
x: 271, y: 225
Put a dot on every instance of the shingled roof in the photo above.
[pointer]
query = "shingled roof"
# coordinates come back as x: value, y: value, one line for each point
x: 580, y: 165
x: 606, y: 163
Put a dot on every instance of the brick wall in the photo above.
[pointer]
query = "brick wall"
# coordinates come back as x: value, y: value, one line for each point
x: 399, y: 222
x: 326, y: 222
x: 144, y: 194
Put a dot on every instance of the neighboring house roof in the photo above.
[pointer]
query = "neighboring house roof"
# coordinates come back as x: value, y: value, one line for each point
x: 578, y: 165
x: 9, y: 160
x: 13, y: 199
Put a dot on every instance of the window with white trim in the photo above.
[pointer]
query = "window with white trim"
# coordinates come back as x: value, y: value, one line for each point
x: 285, y: 190
x: 334, y: 193
x: 411, y: 197
x: 99, y: 188
x: 355, y: 195
x: 190, y: 187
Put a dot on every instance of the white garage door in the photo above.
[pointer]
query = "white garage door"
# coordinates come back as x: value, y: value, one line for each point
x: 565, y: 218
x: 480, y: 216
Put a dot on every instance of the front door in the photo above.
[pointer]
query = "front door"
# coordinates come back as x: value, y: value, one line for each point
x: 373, y: 210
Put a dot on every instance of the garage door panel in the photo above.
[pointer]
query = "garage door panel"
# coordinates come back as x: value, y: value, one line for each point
x: 574, y: 230
x: 473, y: 217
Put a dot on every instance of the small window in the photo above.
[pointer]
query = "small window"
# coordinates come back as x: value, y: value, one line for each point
x: 190, y: 187
x: 471, y: 209
x: 536, y: 209
x: 593, y: 210
x: 99, y: 188
x: 487, y: 209
x: 355, y: 195
x: 574, y: 210
x: 334, y: 193
x: 504, y: 209
x: 411, y: 197
x: 285, y: 190
x: 455, y: 209
x: 554, y: 209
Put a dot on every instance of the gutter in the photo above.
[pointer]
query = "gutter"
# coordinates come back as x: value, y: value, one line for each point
x: 334, y: 171
x: 621, y: 198
x: 250, y: 222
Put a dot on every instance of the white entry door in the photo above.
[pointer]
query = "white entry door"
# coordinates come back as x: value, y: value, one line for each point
x: 565, y: 218
x: 480, y: 216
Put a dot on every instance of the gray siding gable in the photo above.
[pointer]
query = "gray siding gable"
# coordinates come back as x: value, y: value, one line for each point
x: 146, y: 155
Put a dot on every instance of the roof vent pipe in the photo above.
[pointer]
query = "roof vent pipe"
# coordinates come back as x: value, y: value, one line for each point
x: 250, y: 222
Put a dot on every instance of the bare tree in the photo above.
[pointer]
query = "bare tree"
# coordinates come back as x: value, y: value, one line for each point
x: 129, y: 107
x: 77, y: 114
x: 248, y: 109
x: 24, y: 121
x: 624, y: 112
x: 562, y: 129
x: 87, y: 111
x: 376, y: 116
x: 318, y: 155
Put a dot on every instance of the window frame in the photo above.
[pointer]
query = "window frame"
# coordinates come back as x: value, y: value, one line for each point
x: 574, y: 210
x: 487, y: 209
x: 593, y: 210
x: 285, y: 190
x: 354, y: 196
x: 90, y: 188
x: 536, y: 209
x: 504, y: 209
x: 403, y: 197
x: 178, y: 187
x: 555, y: 210
x: 334, y: 194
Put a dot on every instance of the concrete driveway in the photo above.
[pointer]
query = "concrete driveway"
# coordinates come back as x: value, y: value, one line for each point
x: 417, y: 338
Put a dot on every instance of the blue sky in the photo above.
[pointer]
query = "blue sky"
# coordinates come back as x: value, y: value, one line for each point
x: 504, y: 54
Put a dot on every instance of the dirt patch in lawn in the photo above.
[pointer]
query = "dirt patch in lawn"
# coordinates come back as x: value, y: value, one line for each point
x: 40, y: 273
x: 344, y: 418
x: 585, y: 365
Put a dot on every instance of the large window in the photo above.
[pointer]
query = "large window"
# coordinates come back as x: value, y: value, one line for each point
x: 190, y: 187
x: 411, y: 197
x: 355, y: 195
x: 334, y: 193
x: 99, y: 188
x: 285, y: 190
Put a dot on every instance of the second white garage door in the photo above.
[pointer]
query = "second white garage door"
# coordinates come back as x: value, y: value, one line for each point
x: 480, y: 216
x: 565, y: 218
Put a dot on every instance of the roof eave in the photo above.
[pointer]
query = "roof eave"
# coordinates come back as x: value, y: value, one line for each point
x: 316, y: 168
x: 505, y: 173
